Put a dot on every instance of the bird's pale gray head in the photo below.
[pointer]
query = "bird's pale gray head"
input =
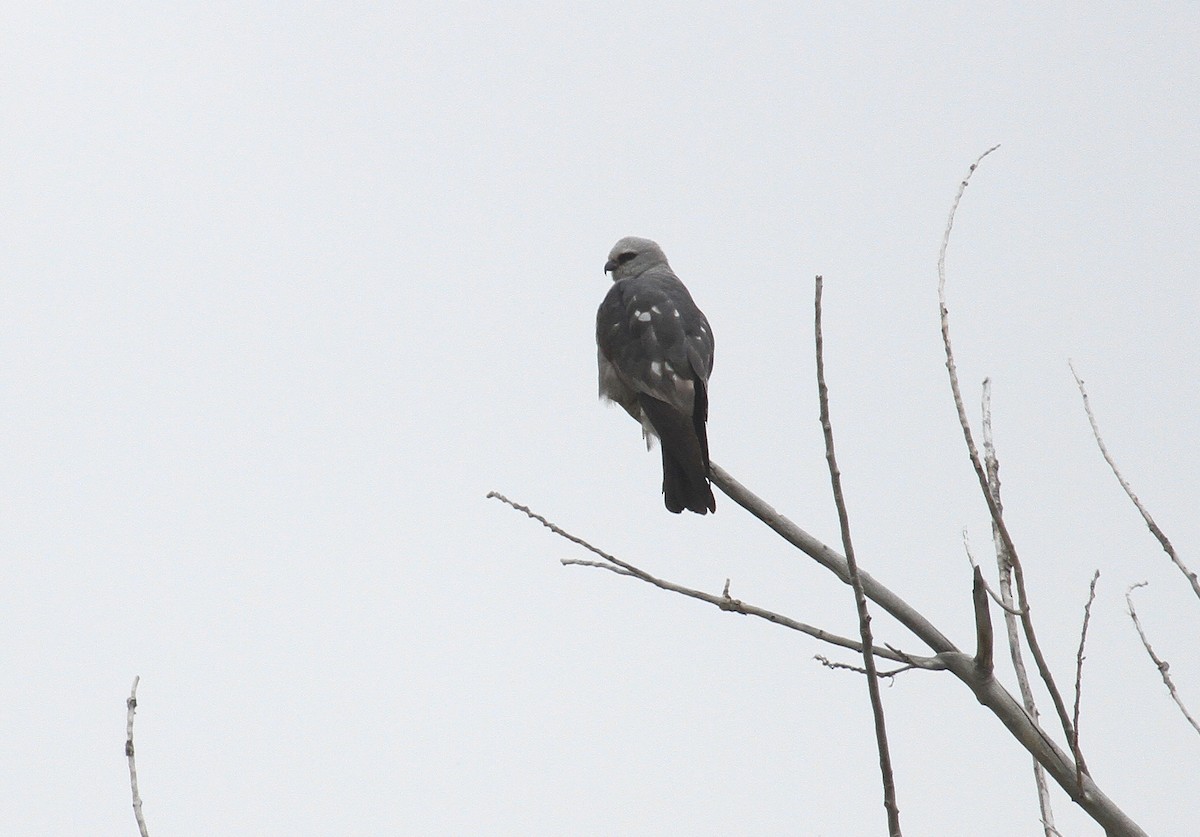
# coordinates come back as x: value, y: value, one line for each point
x: 633, y: 256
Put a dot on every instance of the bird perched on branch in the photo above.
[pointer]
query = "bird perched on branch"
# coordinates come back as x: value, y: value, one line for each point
x: 655, y: 352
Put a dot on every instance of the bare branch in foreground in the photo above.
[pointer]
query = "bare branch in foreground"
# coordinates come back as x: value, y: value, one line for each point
x: 975, y: 566
x: 992, y: 466
x: 495, y: 495
x: 987, y: 690
x: 860, y: 600
x: 579, y: 562
x: 981, y: 474
x: 1162, y: 665
x: 1087, y: 616
x: 723, y: 601
x: 890, y: 675
x: 130, y: 706
x: 829, y: 558
x: 983, y: 625
x: 1154, y: 530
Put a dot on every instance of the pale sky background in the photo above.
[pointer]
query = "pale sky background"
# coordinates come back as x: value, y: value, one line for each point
x: 286, y: 289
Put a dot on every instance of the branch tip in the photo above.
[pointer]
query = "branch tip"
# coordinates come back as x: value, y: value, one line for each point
x: 130, y: 707
x: 1162, y: 665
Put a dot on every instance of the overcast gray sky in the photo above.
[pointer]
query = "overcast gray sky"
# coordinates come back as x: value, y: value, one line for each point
x: 286, y: 289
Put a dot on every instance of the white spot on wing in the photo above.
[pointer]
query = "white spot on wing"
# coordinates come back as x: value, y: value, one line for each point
x: 654, y: 309
x: 642, y: 316
x: 656, y: 369
x: 675, y: 312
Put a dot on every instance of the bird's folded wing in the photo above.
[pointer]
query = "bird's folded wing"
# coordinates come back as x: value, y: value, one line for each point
x: 655, y: 339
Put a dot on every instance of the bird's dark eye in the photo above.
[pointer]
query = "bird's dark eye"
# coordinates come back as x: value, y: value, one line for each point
x: 626, y: 257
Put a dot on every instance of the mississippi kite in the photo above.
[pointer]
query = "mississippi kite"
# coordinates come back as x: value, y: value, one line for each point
x: 655, y: 356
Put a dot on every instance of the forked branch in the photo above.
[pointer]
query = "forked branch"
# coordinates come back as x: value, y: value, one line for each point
x: 987, y: 690
x: 724, y: 601
x: 981, y: 473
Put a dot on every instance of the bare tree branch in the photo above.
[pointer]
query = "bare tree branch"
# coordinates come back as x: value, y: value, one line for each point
x: 579, y: 562
x: 1087, y: 616
x: 724, y: 601
x: 130, y: 706
x: 975, y: 566
x: 860, y: 600
x: 832, y: 561
x: 828, y: 663
x: 983, y: 625
x: 1011, y: 613
x: 495, y: 495
x: 987, y: 690
x: 1154, y: 530
x: 981, y: 474
x: 1162, y: 665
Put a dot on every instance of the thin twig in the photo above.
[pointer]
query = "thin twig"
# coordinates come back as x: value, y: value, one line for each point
x: 1154, y: 530
x: 495, y: 495
x: 981, y: 474
x: 1011, y: 613
x: 890, y: 675
x: 724, y: 601
x: 1162, y: 665
x: 860, y: 599
x: 579, y: 562
x: 1087, y: 616
x: 130, y: 706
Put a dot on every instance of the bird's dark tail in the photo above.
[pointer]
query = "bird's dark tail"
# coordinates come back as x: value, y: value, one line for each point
x: 684, y: 454
x: 683, y: 488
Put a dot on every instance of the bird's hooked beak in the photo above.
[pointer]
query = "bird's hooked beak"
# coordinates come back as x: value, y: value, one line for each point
x: 610, y: 265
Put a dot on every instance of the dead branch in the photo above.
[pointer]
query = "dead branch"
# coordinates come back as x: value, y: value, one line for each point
x: 992, y: 464
x: 975, y: 566
x: 130, y: 706
x: 1154, y: 530
x: 981, y: 474
x: 579, y: 562
x: 724, y: 601
x: 860, y: 600
x: 831, y: 560
x: 983, y: 625
x: 1164, y: 668
x: 890, y: 675
x: 987, y: 690
x: 1087, y: 616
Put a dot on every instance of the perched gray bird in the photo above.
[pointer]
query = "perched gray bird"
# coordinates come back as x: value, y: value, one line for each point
x: 655, y: 356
